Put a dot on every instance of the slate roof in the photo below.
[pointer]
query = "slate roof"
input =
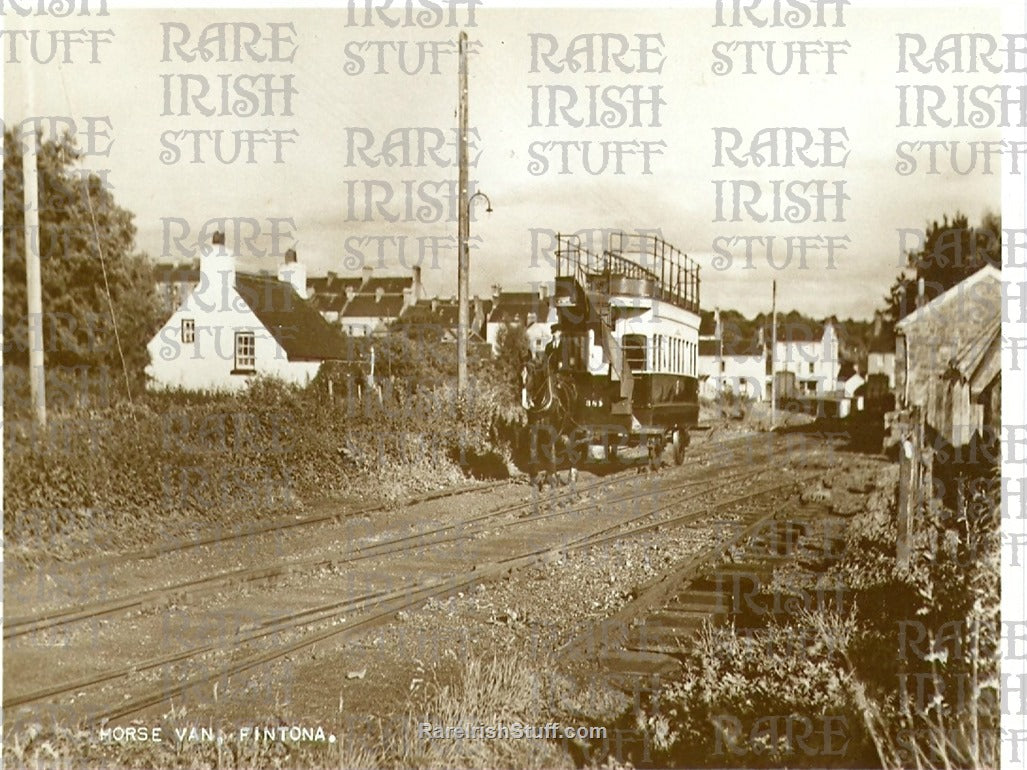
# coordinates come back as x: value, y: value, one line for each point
x: 445, y: 315
x: 367, y: 304
x: 293, y: 321
x: 514, y: 307
x: 707, y: 323
x: 166, y: 272
x: 709, y: 347
x: 389, y: 284
x: 329, y: 292
x: 733, y: 347
x: 740, y: 346
x: 884, y: 342
x: 798, y: 331
x: 370, y: 306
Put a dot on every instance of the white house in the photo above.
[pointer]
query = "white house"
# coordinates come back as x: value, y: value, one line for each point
x: 728, y: 362
x: 532, y: 311
x: 233, y: 326
x: 377, y: 302
x: 881, y: 351
x: 811, y: 354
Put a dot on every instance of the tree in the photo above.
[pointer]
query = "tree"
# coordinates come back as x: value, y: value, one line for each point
x: 951, y: 251
x: 77, y: 324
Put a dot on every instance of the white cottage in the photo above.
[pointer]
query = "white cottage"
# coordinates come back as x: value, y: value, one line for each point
x: 233, y: 326
x: 730, y: 361
x: 811, y: 354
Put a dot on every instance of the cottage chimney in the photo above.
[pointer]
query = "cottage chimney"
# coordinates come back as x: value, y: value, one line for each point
x: 496, y: 291
x: 332, y: 278
x: 543, y: 292
x: 920, y: 292
x: 294, y: 272
x: 217, y: 267
x: 434, y: 304
x: 379, y: 294
x: 878, y: 323
x: 416, y: 271
x: 365, y: 273
x: 350, y: 292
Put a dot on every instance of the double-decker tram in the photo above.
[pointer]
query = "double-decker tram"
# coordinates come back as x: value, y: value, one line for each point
x: 622, y: 369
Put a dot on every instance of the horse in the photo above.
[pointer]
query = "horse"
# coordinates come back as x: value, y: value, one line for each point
x: 548, y: 396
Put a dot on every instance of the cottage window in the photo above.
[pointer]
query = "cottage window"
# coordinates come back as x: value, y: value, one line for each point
x: 188, y: 330
x: 245, y: 352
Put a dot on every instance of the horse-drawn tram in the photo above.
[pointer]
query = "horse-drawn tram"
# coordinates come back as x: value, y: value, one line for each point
x: 622, y: 369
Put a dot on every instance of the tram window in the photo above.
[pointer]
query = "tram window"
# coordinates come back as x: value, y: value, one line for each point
x: 634, y: 351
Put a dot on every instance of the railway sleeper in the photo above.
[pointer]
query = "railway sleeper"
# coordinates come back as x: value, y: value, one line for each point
x: 701, y: 601
x: 639, y: 663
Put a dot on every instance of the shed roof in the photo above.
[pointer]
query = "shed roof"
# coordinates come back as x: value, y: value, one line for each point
x: 959, y: 329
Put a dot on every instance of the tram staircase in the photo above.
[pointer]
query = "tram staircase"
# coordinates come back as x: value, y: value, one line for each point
x: 598, y: 310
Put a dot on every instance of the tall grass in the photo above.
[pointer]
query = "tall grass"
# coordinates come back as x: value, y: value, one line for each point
x: 108, y: 473
x: 480, y: 691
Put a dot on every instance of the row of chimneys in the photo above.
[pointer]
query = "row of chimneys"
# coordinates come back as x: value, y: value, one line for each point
x: 220, y: 264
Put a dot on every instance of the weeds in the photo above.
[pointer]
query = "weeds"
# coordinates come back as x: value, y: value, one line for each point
x: 116, y: 476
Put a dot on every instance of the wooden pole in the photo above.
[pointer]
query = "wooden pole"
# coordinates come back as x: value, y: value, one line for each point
x: 910, y: 488
x: 773, y: 353
x: 34, y: 290
x: 463, y: 230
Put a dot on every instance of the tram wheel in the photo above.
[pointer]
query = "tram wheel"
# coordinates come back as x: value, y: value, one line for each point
x: 679, y: 442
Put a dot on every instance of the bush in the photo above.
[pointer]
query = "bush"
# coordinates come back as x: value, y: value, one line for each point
x: 118, y: 474
x: 912, y: 672
x: 778, y: 697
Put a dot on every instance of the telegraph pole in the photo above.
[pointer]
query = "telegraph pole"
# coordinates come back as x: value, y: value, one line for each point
x: 773, y: 351
x: 33, y: 284
x: 463, y: 231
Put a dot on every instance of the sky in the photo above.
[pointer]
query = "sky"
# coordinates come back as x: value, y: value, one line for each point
x: 323, y: 183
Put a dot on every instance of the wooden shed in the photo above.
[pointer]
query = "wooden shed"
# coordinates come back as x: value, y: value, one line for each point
x: 948, y: 359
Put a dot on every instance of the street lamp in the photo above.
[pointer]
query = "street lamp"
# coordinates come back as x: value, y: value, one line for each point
x: 463, y: 289
x: 488, y: 204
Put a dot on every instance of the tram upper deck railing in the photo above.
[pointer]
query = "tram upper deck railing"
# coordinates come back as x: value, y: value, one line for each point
x: 633, y: 264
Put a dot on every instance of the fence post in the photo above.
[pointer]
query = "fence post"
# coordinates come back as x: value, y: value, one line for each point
x: 909, y: 489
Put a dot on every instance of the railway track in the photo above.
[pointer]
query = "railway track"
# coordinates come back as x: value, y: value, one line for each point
x: 378, y: 606
x: 20, y: 625
x: 729, y: 581
x: 384, y: 608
